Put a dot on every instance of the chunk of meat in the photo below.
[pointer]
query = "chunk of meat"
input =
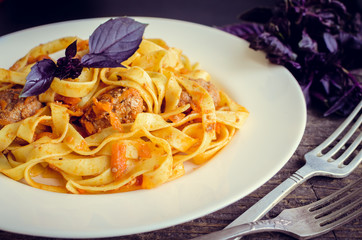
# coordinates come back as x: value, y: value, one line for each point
x: 185, y: 98
x: 14, y: 109
x: 211, y: 88
x: 119, y: 105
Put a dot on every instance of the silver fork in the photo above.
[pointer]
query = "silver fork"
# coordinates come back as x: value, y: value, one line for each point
x: 304, y: 222
x: 317, y: 164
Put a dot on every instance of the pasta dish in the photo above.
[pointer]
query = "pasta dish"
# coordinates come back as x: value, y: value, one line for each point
x: 109, y: 129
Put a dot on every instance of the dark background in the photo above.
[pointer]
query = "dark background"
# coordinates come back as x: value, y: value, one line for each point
x: 20, y: 14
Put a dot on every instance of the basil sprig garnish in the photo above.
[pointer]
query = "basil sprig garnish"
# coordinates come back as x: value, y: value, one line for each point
x: 109, y: 45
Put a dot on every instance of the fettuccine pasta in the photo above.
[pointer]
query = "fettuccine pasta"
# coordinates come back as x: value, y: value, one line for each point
x: 113, y: 129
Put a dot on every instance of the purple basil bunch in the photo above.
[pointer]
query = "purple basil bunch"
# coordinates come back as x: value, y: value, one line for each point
x: 318, y: 41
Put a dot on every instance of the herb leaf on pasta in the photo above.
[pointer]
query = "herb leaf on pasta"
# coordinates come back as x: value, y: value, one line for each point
x: 39, y: 78
x: 113, y: 42
x: 109, y: 45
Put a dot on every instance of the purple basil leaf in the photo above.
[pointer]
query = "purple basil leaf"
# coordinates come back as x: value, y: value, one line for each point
x: 307, y: 43
x: 350, y: 41
x: 71, y: 50
x: 327, y: 19
x: 101, y: 61
x: 246, y: 31
x: 277, y: 51
x: 357, y: 73
x: 292, y: 64
x: 39, y: 78
x: 325, y: 81
x: 113, y: 42
x: 331, y: 42
x: 340, y: 103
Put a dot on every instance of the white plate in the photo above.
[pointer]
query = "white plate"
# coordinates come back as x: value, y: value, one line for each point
x: 266, y: 142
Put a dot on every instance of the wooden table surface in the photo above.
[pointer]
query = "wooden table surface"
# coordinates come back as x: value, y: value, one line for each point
x: 13, y: 18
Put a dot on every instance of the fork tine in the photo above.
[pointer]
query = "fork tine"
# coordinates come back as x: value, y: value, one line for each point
x: 343, y: 141
x: 328, y: 219
x: 331, y: 198
x: 343, y: 215
x: 325, y: 227
x: 339, y: 130
x: 350, y: 149
x: 353, y: 164
x: 328, y: 206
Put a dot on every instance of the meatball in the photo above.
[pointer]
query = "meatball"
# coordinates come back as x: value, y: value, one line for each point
x: 120, y: 104
x: 14, y: 109
x: 185, y: 98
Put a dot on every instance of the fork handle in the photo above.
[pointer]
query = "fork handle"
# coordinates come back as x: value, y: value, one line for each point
x: 272, y: 225
x: 259, y: 209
